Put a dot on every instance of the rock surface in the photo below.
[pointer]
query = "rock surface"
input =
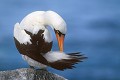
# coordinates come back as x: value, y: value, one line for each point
x: 29, y: 74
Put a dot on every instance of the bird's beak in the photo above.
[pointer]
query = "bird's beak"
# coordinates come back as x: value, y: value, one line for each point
x: 60, y: 39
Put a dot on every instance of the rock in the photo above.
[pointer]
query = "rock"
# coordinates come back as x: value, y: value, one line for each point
x: 29, y: 74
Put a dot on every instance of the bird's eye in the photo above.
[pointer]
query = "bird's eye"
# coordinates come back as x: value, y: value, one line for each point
x: 58, y: 32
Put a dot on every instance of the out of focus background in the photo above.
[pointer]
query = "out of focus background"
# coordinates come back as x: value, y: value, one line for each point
x: 93, y: 29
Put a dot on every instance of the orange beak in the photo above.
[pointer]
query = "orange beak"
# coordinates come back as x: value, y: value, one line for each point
x: 60, y: 39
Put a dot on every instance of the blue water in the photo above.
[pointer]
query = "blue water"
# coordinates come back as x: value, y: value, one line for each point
x: 93, y: 29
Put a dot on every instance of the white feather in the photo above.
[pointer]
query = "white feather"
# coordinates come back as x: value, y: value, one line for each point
x: 21, y: 35
x: 32, y: 62
x: 47, y: 36
x: 55, y: 56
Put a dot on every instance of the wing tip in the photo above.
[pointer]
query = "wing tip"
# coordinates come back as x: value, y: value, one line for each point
x: 74, y: 58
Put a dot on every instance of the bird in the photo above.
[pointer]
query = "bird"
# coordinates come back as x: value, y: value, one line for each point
x: 33, y: 41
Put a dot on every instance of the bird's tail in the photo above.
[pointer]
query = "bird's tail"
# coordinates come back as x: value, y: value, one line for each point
x: 62, y: 61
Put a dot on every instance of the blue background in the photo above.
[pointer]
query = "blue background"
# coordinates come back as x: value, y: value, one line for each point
x: 93, y: 29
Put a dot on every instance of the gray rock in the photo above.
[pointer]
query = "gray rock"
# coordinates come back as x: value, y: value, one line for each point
x: 29, y: 74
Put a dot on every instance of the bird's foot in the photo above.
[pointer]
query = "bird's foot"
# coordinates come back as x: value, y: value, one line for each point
x: 45, y: 69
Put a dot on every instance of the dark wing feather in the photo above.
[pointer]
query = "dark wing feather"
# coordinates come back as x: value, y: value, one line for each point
x: 33, y: 50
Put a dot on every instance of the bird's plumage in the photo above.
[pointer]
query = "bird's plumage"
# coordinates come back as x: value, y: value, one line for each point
x: 34, y: 42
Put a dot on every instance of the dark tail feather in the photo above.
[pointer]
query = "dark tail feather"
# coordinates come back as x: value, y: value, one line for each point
x: 63, y: 64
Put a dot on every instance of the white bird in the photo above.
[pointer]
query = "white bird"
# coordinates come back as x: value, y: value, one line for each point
x: 34, y: 42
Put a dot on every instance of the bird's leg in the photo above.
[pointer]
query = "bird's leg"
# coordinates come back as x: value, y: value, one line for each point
x: 31, y: 67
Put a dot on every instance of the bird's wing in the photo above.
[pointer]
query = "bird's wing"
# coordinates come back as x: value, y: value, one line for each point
x: 31, y: 51
x: 62, y: 61
x: 32, y: 46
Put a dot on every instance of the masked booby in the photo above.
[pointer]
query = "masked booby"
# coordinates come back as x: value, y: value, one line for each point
x: 33, y: 41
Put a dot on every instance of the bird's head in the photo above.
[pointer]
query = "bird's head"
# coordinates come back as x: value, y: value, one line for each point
x: 59, y: 26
